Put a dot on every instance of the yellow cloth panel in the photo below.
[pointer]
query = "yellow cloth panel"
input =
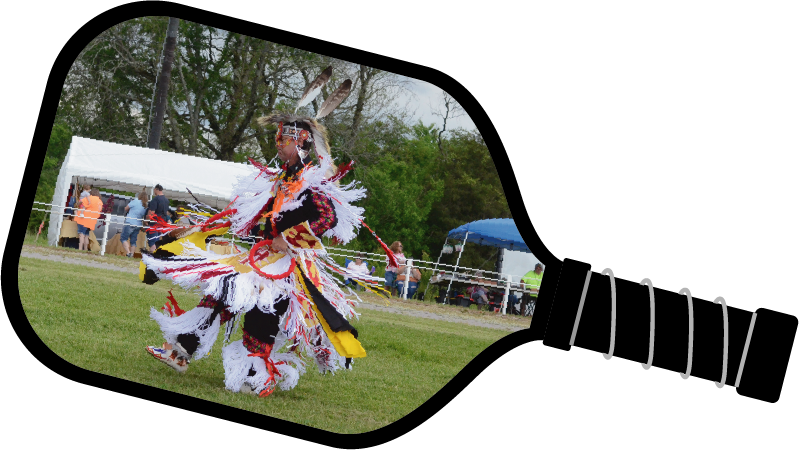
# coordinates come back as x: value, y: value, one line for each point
x: 345, y: 343
x: 300, y: 236
x: 223, y: 249
x: 176, y: 247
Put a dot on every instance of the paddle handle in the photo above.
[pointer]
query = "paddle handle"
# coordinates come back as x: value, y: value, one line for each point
x: 758, y: 344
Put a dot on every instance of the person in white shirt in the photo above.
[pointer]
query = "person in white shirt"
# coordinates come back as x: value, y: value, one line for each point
x: 358, y: 267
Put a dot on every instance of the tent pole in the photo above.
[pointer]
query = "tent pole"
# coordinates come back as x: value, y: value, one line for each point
x: 105, y: 236
x: 508, y: 278
x: 435, y: 269
x: 408, y: 265
x: 460, y: 253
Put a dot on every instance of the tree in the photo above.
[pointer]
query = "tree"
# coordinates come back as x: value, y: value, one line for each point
x: 162, y: 85
x: 450, y: 109
x: 110, y: 85
x: 402, y: 188
x: 221, y: 82
x: 472, y: 190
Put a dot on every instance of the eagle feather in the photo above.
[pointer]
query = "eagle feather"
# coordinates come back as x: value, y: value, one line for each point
x: 314, y: 88
x: 335, y: 99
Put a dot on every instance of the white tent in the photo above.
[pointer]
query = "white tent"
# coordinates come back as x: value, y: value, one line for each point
x: 517, y: 264
x: 128, y: 168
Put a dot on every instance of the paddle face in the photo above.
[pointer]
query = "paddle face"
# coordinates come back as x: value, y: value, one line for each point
x: 417, y: 352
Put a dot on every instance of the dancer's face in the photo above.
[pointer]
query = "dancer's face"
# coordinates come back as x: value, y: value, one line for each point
x: 287, y: 150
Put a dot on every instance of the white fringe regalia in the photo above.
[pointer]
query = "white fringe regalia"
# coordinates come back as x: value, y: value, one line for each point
x: 261, y: 277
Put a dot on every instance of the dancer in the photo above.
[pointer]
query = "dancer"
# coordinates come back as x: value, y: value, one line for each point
x: 283, y: 287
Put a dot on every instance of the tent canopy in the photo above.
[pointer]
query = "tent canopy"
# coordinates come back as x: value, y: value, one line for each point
x: 500, y: 233
x: 120, y: 167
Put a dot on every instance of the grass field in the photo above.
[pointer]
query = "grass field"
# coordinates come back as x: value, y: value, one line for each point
x: 98, y: 320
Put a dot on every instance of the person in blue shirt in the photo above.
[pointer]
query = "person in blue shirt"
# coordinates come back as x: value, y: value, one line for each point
x: 135, y: 212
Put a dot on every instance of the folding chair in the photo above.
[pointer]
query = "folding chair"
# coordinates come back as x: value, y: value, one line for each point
x: 347, y: 262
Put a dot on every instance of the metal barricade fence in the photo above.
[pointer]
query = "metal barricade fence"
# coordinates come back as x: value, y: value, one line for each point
x: 439, y: 271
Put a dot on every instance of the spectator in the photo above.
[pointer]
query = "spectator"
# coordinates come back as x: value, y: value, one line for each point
x: 413, y: 283
x: 86, y: 191
x: 391, y: 272
x: 479, y: 295
x: 470, y: 290
x: 70, y: 211
x: 159, y: 206
x: 135, y: 212
x: 478, y: 292
x: 531, y: 280
x: 84, y: 194
x: 86, y: 217
x: 358, y: 269
x: 513, y: 300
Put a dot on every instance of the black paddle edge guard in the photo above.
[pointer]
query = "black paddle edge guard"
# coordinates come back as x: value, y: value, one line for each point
x: 769, y: 347
x: 767, y: 355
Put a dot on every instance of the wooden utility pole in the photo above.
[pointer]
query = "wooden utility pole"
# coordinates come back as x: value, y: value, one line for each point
x: 162, y: 84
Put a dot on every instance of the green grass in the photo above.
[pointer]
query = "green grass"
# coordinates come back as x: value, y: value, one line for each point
x: 31, y: 239
x: 98, y: 320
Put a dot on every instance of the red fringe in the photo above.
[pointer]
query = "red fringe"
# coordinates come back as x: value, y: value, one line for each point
x: 392, y: 261
x: 161, y: 226
x: 271, y: 367
x: 213, y: 273
x: 215, y: 217
x: 172, y: 307
x: 189, y: 267
x: 255, y: 218
x: 343, y: 170
x: 262, y: 168
x: 221, y: 225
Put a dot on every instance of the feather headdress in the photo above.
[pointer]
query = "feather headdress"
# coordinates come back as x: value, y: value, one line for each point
x: 318, y: 133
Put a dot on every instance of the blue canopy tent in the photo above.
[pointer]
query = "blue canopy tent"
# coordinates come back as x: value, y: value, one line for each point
x: 500, y: 233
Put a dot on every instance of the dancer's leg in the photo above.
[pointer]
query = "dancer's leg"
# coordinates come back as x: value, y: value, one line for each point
x: 193, y: 332
x: 257, y: 373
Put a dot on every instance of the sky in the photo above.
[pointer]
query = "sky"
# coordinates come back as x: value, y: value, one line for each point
x: 426, y: 99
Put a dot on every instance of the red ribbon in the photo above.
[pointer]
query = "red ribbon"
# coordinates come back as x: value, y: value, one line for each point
x: 271, y: 367
x: 266, y: 275
x: 172, y: 307
x: 205, y: 225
